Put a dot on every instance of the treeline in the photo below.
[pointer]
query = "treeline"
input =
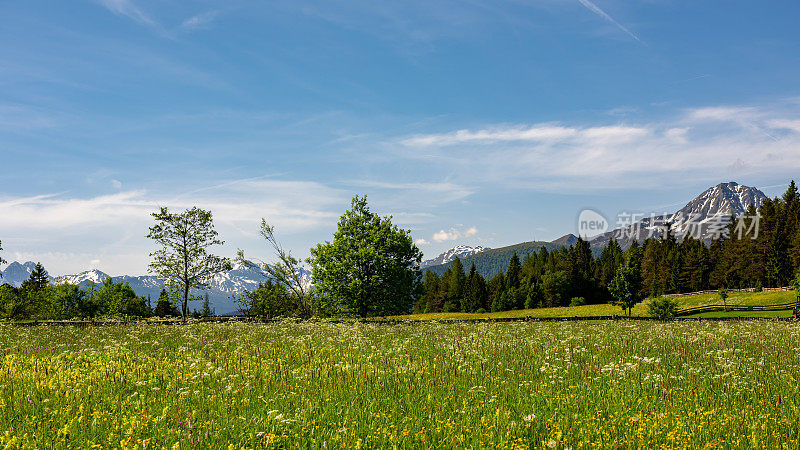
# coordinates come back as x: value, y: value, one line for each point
x: 766, y: 254
x: 562, y: 277
x: 38, y: 298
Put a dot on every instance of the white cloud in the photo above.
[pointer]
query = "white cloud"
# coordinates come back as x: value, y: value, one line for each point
x: 116, y: 184
x: 421, y: 241
x: 453, y: 233
x: 450, y: 235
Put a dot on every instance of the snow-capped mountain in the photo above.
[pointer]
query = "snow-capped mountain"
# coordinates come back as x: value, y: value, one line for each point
x: 222, y: 288
x: 725, y: 198
x: 698, y: 218
x: 90, y: 276
x: 459, y: 251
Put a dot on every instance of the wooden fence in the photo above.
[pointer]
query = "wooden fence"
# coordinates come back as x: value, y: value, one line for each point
x: 715, y: 308
x: 714, y: 291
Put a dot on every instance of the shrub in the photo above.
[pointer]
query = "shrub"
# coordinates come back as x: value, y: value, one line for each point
x: 481, y: 311
x: 663, y: 308
x: 758, y: 287
x: 450, y: 306
x: 577, y: 301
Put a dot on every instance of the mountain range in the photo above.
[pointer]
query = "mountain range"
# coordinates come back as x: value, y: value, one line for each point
x: 223, y: 288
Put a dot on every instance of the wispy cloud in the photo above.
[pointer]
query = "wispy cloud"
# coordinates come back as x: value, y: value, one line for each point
x: 536, y: 134
x: 706, y: 143
x: 725, y: 113
x: 115, y: 225
x: 543, y: 132
x: 199, y: 21
x: 128, y: 9
x: 595, y: 9
x: 421, y: 193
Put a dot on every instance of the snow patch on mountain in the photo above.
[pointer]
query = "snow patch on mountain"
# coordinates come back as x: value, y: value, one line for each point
x: 459, y: 251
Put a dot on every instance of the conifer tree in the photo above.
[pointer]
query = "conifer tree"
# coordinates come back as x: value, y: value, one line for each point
x: 496, y: 287
x: 164, y: 307
x: 38, y: 280
x: 432, y: 297
x: 455, y: 284
x: 513, y: 272
x: 475, y: 295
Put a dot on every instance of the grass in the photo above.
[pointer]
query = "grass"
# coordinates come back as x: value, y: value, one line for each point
x: 737, y: 298
x: 764, y: 314
x: 417, y: 385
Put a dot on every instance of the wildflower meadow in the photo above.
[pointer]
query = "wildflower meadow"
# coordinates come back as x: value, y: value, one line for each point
x: 619, y: 384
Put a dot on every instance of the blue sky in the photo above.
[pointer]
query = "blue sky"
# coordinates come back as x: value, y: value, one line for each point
x: 479, y: 123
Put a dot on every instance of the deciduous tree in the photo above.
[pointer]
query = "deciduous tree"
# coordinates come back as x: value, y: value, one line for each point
x: 288, y: 274
x: 626, y: 285
x: 371, y: 267
x: 184, y: 259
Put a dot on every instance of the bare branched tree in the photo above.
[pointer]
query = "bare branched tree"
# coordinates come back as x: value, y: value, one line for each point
x: 287, y: 272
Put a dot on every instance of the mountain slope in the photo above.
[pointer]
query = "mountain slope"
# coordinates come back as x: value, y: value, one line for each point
x: 491, y: 262
x: 566, y: 240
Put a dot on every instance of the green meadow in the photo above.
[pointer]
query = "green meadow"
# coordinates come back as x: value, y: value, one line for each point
x: 603, y: 384
x: 689, y: 301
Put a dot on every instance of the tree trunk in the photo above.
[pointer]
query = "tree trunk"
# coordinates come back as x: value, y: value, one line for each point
x: 185, y: 301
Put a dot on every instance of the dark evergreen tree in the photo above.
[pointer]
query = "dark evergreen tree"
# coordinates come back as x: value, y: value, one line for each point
x: 207, y: 311
x: 38, y: 280
x: 475, y: 293
x: 433, y: 298
x: 164, y: 307
x: 513, y: 272
x: 456, y: 281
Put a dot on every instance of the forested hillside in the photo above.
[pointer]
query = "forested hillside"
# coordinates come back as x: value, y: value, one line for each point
x: 491, y: 262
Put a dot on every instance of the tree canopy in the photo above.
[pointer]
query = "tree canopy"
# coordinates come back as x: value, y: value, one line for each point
x: 371, y: 267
